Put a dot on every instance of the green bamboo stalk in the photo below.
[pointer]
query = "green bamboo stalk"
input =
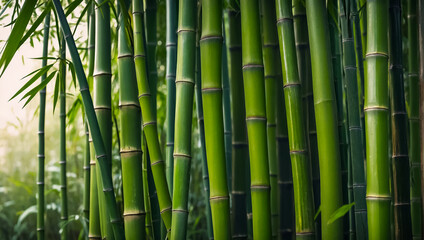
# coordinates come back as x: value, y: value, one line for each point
x: 254, y: 91
x: 171, y: 68
x: 361, y: 4
x: 326, y: 117
x: 357, y: 178
x: 148, y: 221
x: 335, y: 41
x: 376, y: 110
x: 149, y: 116
x: 270, y: 60
x: 184, y: 85
x: 211, y: 57
x: 62, y: 162
x: 227, y: 112
x: 414, y: 135
x: 41, y: 138
x: 131, y: 155
x: 302, y: 180
x: 305, y: 76
x: 201, y: 124
x: 400, y: 159
x: 93, y: 124
x: 238, y: 116
x: 102, y: 102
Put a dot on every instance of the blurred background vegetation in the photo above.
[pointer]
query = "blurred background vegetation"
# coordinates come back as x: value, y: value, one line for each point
x: 19, y: 140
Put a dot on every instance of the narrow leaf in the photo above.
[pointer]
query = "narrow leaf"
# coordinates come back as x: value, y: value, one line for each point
x: 340, y: 212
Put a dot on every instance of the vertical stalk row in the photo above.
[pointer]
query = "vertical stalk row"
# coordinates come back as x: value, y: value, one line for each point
x: 302, y: 182
x: 254, y: 91
x: 325, y: 117
x: 421, y: 75
x: 149, y: 116
x: 376, y: 108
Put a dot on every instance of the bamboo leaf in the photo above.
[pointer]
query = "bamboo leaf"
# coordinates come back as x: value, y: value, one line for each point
x: 82, y: 14
x: 32, y: 93
x: 340, y: 212
x: 5, y: 7
x: 71, y: 67
x: 318, y: 212
x: 35, y: 25
x: 56, y: 92
x: 18, y: 30
x: 41, y: 72
x: 26, y: 213
x: 71, y: 7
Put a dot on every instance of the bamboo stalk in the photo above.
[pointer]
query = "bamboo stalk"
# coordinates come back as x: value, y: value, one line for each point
x: 357, y: 179
x: 414, y: 137
x: 400, y: 162
x: 254, y: 91
x: 421, y: 115
x: 302, y: 180
x: 270, y: 60
x: 211, y: 57
x: 171, y: 65
x: 62, y: 161
x: 238, y: 118
x: 41, y: 138
x: 377, y: 121
x: 131, y: 155
x: 201, y: 124
x: 93, y: 124
x: 148, y: 116
x: 325, y: 116
x: 147, y: 207
x: 227, y: 111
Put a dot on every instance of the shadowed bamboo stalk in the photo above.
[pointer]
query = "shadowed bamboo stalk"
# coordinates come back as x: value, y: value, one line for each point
x: 41, y: 138
x: 93, y: 124
x: 227, y: 110
x: 413, y: 102
x: 184, y: 85
x: 149, y: 116
x: 62, y: 161
x: 201, y: 124
x: 302, y: 181
x: 376, y: 108
x: 147, y: 208
x: 400, y: 158
x: 211, y: 57
x: 421, y: 115
x: 171, y: 67
x: 326, y: 117
x: 270, y: 60
x: 357, y: 178
x: 254, y: 91
x: 131, y: 155
x: 238, y: 117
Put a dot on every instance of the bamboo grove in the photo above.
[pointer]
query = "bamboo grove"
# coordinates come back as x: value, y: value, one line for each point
x: 309, y: 115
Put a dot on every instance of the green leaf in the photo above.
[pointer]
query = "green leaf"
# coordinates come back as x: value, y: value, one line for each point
x: 26, y: 213
x: 82, y: 14
x: 17, y: 31
x: 74, y: 79
x: 340, y: 213
x: 317, y: 213
x: 56, y: 92
x: 32, y: 93
x: 5, y: 7
x: 35, y: 25
x: 71, y: 7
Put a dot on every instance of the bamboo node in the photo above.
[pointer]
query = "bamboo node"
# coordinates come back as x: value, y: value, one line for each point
x: 86, y: 167
x: 157, y: 162
x: 347, y: 40
x: 62, y: 162
x: 305, y: 233
x: 184, y: 81
x: 355, y: 128
x: 40, y: 229
x: 412, y: 74
x: 182, y: 155
x: 249, y: 66
x: 179, y: 210
x: 256, y: 118
x: 170, y: 76
x: 92, y: 162
x: 218, y: 198
x: 186, y: 30
x: 170, y: 44
x: 292, y: 84
x: 84, y: 90
x: 284, y: 19
x: 129, y: 105
x: 376, y: 108
x: 402, y: 204
x: 94, y: 237
x: 101, y: 156
x: 102, y: 108
x: 40, y: 183
x: 130, y: 151
x: 259, y: 187
x: 170, y: 144
x: 41, y: 156
x: 63, y: 218
x: 350, y: 68
x: 270, y: 45
x: 116, y: 220
x: 376, y: 54
x: 144, y: 95
x: 205, y: 90
x: 239, y: 144
x: 149, y: 123
x: 239, y: 236
x: 399, y: 155
x: 302, y: 45
x: 211, y: 37
x: 238, y: 193
x: 99, y: 74
x: 301, y: 151
x: 107, y: 190
x: 396, y: 66
x: 139, y: 56
x: 379, y: 198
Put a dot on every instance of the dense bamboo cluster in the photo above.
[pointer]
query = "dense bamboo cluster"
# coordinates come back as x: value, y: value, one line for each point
x: 307, y: 129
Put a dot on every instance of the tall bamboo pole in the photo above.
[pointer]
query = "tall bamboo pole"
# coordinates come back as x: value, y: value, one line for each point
x: 148, y: 221
x: 93, y: 124
x: 376, y: 110
x: 421, y: 49
x: 254, y: 92
x: 238, y: 118
x: 270, y: 60
x: 325, y: 117
x: 305, y: 76
x: 184, y: 85
x: 355, y: 131
x: 226, y: 106
x: 400, y: 159
x: 302, y: 181
x: 62, y: 162
x: 211, y: 57
x: 201, y: 124
x: 171, y: 67
x: 41, y: 138
x: 102, y: 102
x: 131, y: 155
x: 414, y: 136
x: 148, y: 116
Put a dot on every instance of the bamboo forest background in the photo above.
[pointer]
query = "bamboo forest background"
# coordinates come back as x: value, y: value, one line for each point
x: 242, y: 119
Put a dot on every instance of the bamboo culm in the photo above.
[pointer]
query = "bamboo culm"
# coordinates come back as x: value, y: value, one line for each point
x: 376, y: 108
x: 326, y: 117
x: 149, y: 116
x: 254, y: 92
x: 41, y: 138
x: 93, y: 125
x: 301, y: 172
